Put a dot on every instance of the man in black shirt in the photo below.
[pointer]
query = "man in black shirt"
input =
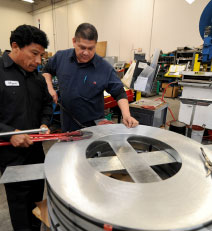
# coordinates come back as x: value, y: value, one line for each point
x: 24, y: 104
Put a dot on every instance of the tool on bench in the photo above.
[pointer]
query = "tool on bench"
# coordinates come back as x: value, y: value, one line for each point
x: 208, y: 163
x: 68, y: 136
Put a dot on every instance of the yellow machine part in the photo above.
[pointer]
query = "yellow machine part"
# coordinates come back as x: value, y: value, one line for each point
x: 138, y: 95
x: 196, y: 63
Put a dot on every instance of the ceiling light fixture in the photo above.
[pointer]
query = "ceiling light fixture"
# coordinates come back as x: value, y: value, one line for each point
x: 190, y: 1
x: 30, y: 1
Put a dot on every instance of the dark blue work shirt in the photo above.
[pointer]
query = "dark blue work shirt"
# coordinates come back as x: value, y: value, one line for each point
x: 82, y: 86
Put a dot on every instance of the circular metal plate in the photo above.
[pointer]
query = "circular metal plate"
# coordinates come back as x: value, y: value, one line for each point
x: 181, y: 202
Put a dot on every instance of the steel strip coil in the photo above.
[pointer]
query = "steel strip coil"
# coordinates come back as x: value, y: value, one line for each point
x: 180, y: 202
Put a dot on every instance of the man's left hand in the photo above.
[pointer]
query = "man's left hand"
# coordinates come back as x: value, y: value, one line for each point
x: 130, y: 122
x: 44, y: 126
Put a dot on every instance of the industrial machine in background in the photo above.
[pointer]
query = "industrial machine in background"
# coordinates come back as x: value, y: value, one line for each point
x: 196, y: 100
x: 207, y: 47
x: 205, y: 28
x: 144, y: 76
x: 139, y: 56
x: 119, y: 68
x: 111, y: 59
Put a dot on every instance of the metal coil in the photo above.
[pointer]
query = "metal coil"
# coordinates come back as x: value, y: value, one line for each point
x: 170, y: 189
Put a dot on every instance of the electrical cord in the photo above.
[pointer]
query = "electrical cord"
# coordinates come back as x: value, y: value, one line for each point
x: 162, y: 99
x: 71, y: 115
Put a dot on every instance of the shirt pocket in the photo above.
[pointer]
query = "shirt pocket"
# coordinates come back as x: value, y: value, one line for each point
x: 12, y: 94
x: 88, y: 87
x: 12, y: 99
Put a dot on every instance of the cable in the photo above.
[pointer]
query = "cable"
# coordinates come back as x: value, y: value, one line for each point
x: 71, y: 115
x: 53, y: 23
x: 162, y: 99
x: 67, y: 22
x: 150, y: 44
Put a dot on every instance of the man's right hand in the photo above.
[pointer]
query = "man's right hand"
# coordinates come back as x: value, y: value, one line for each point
x: 23, y: 141
x: 53, y: 93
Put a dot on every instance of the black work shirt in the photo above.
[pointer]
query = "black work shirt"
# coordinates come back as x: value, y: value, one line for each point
x: 24, y: 104
x: 82, y: 86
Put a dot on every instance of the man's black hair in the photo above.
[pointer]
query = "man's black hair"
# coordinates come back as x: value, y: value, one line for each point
x: 24, y: 35
x: 86, y: 31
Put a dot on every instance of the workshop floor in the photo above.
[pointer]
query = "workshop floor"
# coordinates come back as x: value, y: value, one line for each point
x: 5, y: 224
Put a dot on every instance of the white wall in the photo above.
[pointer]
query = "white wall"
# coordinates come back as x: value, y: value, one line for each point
x: 12, y: 14
x: 127, y: 24
x: 120, y: 22
x: 176, y: 23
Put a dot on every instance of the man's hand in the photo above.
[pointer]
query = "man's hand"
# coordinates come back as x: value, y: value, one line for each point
x: 22, y: 141
x: 54, y: 95
x: 44, y: 126
x: 130, y: 122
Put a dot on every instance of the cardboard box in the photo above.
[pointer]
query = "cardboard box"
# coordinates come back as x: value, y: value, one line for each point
x: 101, y: 48
x: 168, y: 92
x: 41, y: 212
x: 171, y: 91
x: 164, y: 85
x: 175, y: 91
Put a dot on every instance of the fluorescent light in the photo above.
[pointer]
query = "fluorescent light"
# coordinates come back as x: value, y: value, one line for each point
x: 31, y: 1
x: 190, y: 1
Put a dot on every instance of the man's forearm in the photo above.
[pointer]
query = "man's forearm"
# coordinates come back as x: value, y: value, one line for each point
x: 124, y: 107
x: 128, y: 120
x: 48, y: 78
x: 52, y: 92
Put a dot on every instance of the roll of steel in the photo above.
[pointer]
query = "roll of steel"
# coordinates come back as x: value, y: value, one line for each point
x: 178, y: 127
x: 82, y: 198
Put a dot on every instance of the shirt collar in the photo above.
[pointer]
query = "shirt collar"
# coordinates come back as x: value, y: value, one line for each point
x: 6, y: 59
x: 8, y: 62
x: 73, y: 58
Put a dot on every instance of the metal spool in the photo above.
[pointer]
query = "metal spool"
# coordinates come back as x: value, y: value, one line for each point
x: 170, y: 189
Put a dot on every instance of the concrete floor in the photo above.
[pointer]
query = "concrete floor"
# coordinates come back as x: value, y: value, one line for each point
x: 5, y: 224
x: 4, y: 213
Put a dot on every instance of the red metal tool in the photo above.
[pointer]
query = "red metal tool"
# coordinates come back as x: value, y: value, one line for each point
x: 68, y: 136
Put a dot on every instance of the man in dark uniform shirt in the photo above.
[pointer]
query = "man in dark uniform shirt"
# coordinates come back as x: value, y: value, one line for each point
x: 24, y: 104
x: 83, y: 76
